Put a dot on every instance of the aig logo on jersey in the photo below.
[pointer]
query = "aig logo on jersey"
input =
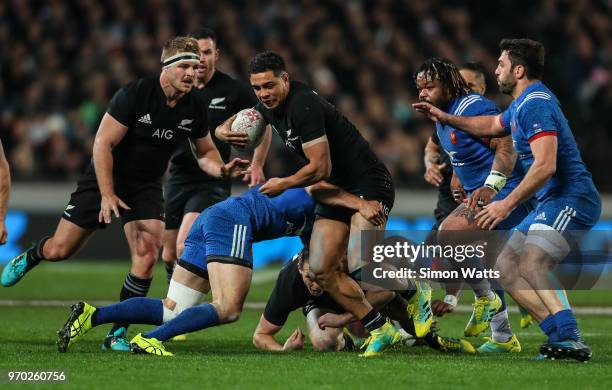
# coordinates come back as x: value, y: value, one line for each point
x: 163, y: 134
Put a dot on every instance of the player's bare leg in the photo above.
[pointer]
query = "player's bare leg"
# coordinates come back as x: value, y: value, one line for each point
x: 169, y: 255
x: 144, y: 238
x: 65, y: 242
x: 327, y: 246
x: 329, y: 238
x: 229, y: 285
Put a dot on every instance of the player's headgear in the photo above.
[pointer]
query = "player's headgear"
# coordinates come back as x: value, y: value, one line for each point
x: 178, y: 50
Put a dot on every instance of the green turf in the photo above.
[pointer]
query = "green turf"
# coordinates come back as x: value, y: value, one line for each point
x: 224, y: 357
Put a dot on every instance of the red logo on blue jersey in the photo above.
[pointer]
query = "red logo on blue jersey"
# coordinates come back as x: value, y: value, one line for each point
x: 453, y: 137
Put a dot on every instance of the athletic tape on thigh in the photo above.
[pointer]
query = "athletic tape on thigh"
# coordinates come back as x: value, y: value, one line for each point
x: 184, y: 297
x: 549, y: 239
x: 517, y: 241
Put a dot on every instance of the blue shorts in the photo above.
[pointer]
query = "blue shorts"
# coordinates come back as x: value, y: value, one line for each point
x: 218, y: 235
x: 563, y: 214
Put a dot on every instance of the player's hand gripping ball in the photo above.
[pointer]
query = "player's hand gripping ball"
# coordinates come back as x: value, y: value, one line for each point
x: 251, y: 122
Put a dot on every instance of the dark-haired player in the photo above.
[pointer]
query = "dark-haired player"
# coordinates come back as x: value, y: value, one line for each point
x: 568, y: 202
x: 189, y: 190
x: 486, y: 169
x: 335, y: 151
x: 146, y: 120
x: 325, y: 319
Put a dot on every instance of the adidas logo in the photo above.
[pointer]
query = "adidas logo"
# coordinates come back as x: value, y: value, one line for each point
x: 541, y: 216
x: 145, y: 119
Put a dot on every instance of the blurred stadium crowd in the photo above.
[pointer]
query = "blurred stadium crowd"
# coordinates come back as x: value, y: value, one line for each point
x: 61, y: 61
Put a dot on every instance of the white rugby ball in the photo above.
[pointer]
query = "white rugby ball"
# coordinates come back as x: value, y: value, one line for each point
x: 250, y: 121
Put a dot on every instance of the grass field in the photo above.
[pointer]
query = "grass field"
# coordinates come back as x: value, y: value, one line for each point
x: 224, y: 357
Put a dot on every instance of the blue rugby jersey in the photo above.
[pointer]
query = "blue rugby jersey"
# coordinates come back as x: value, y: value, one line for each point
x: 537, y: 113
x: 471, y: 157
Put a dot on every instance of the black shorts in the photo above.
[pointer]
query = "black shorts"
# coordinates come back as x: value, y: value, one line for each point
x: 326, y: 305
x: 374, y: 184
x: 144, y: 199
x: 446, y: 204
x: 186, y: 197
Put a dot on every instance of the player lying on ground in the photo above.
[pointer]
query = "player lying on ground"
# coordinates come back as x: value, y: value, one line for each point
x: 329, y: 327
x: 568, y: 201
x: 486, y: 170
x: 217, y: 257
x: 145, y: 122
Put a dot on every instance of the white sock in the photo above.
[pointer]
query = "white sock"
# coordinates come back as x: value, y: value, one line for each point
x: 500, y: 327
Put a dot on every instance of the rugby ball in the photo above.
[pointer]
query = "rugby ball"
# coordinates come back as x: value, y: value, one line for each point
x: 250, y: 121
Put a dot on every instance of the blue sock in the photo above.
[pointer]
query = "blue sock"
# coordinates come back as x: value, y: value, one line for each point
x: 567, y: 327
x: 139, y: 310
x: 503, y: 299
x: 549, y: 328
x: 195, y: 318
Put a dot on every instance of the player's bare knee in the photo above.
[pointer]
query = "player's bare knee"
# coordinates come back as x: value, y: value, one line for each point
x: 169, y: 303
x: 169, y: 255
x: 228, y: 312
x: 55, y: 251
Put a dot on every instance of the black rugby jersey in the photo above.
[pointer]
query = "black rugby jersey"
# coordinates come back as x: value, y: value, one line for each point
x: 154, y: 129
x: 290, y: 293
x: 305, y: 116
x: 223, y: 97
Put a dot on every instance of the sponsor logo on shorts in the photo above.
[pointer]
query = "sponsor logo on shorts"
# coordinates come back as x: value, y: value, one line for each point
x: 69, y: 207
x: 541, y: 216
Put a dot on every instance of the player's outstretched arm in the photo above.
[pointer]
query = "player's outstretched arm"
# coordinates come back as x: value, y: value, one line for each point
x: 5, y: 190
x: 209, y: 159
x: 263, y: 338
x: 109, y: 134
x: 332, y: 195
x: 479, y: 126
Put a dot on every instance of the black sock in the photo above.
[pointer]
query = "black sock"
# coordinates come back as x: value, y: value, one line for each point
x: 373, y: 320
x: 132, y: 287
x: 169, y: 270
x: 35, y: 254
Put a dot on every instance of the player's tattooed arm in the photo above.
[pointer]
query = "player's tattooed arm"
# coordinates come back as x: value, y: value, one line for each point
x: 479, y: 126
x: 503, y: 163
x: 5, y: 190
x: 505, y: 155
x: 109, y: 134
x: 263, y: 338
